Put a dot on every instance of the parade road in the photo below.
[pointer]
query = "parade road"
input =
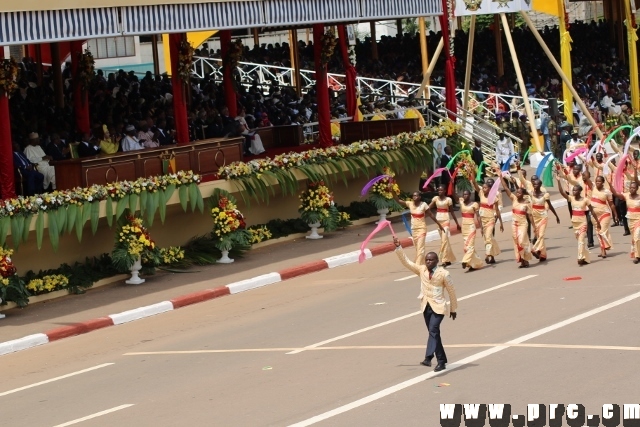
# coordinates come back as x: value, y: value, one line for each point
x: 342, y: 347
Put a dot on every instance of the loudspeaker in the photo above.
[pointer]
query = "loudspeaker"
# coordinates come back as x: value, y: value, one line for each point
x: 553, y: 107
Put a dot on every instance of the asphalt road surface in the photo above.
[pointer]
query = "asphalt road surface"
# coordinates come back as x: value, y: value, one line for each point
x: 342, y: 348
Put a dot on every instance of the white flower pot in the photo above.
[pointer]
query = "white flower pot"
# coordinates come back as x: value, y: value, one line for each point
x: 224, y: 259
x: 314, y: 231
x: 135, y: 273
x: 383, y: 214
x: 2, y: 316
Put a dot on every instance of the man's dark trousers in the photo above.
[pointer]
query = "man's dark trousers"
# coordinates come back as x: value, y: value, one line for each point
x: 434, y: 344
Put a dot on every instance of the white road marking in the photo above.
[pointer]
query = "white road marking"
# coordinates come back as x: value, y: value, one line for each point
x: 73, y: 374
x: 481, y: 355
x: 96, y: 415
x: 397, y: 319
x: 386, y: 347
x: 402, y: 279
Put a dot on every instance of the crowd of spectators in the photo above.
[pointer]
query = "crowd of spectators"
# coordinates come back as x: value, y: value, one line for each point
x: 129, y: 112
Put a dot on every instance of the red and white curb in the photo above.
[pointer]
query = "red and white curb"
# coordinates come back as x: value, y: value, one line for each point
x: 208, y: 294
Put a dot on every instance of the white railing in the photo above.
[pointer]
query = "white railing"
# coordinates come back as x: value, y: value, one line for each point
x: 486, y: 104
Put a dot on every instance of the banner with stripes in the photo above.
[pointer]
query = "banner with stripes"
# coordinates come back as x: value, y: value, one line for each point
x: 387, y: 9
x: 175, y: 18
x: 57, y: 25
x: 295, y: 12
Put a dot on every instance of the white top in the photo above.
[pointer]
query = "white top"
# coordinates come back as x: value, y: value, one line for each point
x: 130, y: 143
x: 35, y: 154
x: 504, y: 150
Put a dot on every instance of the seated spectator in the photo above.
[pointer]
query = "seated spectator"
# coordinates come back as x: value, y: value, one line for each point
x: 32, y: 178
x: 37, y: 156
x: 88, y: 147
x: 109, y: 140
x: 130, y: 141
x: 146, y: 136
x: 164, y: 137
x: 57, y: 149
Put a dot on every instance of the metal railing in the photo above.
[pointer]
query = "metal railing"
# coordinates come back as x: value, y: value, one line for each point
x: 482, y: 103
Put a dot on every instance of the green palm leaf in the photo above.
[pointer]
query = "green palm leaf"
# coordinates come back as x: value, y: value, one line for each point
x: 133, y: 202
x: 17, y: 224
x: 144, y: 197
x: 193, y: 196
x: 54, y: 232
x: 182, y: 193
x: 95, y: 216
x: 109, y: 206
x: 26, y: 228
x: 121, y: 206
x: 39, y: 229
x: 5, y: 226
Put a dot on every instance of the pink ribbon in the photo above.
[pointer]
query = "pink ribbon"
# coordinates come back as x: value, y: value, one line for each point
x: 436, y: 173
x: 381, y: 225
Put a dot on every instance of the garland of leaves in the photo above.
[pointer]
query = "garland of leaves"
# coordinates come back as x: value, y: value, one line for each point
x: 410, y: 152
x: 8, y: 76
x: 69, y: 210
x: 329, y: 43
x: 185, y: 60
x: 86, y: 70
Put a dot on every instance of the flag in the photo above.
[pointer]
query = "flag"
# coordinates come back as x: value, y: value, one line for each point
x: 358, y: 117
x: 550, y: 7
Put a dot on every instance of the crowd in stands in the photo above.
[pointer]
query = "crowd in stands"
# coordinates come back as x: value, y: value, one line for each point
x: 129, y: 112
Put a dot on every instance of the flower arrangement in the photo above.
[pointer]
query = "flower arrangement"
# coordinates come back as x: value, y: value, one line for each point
x: 237, y: 170
x: 352, y: 55
x: 259, y: 234
x: 86, y: 69
x: 46, y: 284
x: 12, y: 287
x: 185, y: 60
x: 316, y: 206
x: 466, y: 169
x: 611, y: 122
x: 234, y: 55
x: 133, y: 242
x: 171, y: 255
x: 344, y: 220
x: 229, y: 226
x: 329, y: 43
x: 8, y: 76
x: 382, y: 194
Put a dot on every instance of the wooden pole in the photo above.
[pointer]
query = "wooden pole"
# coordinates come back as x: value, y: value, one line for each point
x: 467, y: 73
x: 498, y: 37
x: 399, y: 26
x: 374, y: 43
x: 295, y: 61
x: 523, y: 89
x: 154, y: 51
x: 424, y: 55
x: 564, y: 77
x: 432, y: 65
x: 256, y: 36
x: 56, y: 63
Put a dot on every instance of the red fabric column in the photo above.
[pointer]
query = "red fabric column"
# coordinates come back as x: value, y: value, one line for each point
x: 350, y: 72
x: 450, y: 59
x: 324, y: 113
x: 179, y: 91
x: 80, y: 95
x: 227, y: 76
x: 7, y: 184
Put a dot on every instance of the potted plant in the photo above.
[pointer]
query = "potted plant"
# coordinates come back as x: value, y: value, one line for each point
x: 381, y: 194
x: 229, y: 226
x: 12, y: 287
x: 134, y: 246
x: 317, y: 209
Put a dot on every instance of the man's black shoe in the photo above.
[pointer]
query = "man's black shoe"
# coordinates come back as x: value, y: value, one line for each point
x: 426, y: 362
x: 440, y: 367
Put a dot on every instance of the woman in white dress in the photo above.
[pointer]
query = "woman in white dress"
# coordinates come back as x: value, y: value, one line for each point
x: 254, y: 140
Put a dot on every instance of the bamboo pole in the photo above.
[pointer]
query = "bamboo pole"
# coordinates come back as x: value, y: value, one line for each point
x: 498, y: 38
x: 374, y: 43
x: 154, y: 52
x: 564, y: 77
x: 467, y: 73
x: 424, y: 55
x: 295, y: 61
x: 432, y: 65
x: 523, y: 89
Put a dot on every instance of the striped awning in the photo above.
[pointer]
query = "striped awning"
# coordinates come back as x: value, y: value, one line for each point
x: 295, y: 12
x: 387, y: 9
x: 175, y: 18
x: 57, y: 25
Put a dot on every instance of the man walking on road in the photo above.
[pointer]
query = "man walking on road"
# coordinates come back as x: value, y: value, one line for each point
x: 434, y: 306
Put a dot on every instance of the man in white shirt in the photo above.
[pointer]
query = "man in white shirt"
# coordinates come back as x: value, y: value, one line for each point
x: 130, y: 142
x: 504, y: 149
x: 37, y: 156
x: 146, y: 136
x: 574, y: 140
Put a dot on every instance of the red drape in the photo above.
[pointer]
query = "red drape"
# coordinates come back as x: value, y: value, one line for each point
x: 179, y: 91
x: 7, y: 184
x: 450, y: 59
x: 80, y: 95
x: 350, y: 72
x: 227, y: 76
x: 324, y: 113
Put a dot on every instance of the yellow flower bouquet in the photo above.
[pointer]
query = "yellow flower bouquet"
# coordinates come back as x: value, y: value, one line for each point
x: 382, y: 194
x: 229, y: 226
x: 316, y: 206
x: 132, y: 242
